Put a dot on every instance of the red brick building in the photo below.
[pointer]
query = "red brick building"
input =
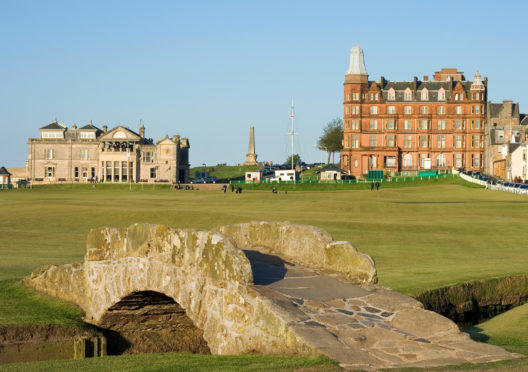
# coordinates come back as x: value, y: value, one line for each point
x: 409, y: 126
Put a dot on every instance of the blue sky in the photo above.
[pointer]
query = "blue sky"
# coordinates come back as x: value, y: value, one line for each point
x: 208, y: 70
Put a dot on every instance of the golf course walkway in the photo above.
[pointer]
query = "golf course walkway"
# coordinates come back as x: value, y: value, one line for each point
x: 363, y: 327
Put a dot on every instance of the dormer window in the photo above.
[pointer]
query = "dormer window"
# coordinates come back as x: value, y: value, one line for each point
x: 391, y: 94
x: 50, y: 134
x: 425, y: 95
x: 407, y: 95
x: 87, y: 135
x: 441, y: 94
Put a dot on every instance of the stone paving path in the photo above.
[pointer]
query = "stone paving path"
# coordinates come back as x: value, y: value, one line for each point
x: 364, y: 327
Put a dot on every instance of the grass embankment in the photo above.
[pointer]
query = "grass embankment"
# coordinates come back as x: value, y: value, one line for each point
x: 509, y: 330
x: 181, y: 362
x: 224, y: 173
x: 420, y: 237
x: 337, y: 186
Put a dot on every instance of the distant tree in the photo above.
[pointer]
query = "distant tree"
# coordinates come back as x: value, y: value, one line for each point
x: 296, y: 159
x: 332, y: 139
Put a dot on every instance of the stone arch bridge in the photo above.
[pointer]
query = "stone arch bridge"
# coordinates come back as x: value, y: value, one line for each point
x: 258, y: 287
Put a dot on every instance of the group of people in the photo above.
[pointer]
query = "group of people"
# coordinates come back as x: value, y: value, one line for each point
x: 180, y: 187
x: 372, y: 185
x: 237, y: 190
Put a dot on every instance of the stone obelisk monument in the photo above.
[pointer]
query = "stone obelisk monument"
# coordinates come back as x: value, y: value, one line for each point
x: 251, y: 157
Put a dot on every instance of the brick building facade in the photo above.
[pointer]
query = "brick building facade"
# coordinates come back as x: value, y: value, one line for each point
x: 409, y: 126
x: 88, y: 154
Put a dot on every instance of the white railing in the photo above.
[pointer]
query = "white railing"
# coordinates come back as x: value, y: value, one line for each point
x: 471, y: 179
x: 514, y: 190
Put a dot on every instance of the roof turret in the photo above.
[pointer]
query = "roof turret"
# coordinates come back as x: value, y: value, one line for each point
x: 357, y: 62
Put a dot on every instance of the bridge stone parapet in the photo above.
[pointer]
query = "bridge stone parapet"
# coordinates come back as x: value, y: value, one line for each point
x: 309, y: 246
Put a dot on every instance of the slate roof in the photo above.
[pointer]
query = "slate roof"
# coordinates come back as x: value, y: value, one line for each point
x: 89, y: 127
x: 432, y: 86
x: 495, y: 109
x: 4, y: 171
x: 330, y: 168
x: 53, y: 125
x: 524, y: 119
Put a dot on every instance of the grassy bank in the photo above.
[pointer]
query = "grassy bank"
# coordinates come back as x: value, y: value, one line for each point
x: 224, y: 172
x: 330, y: 186
x: 181, y: 362
x: 508, y: 330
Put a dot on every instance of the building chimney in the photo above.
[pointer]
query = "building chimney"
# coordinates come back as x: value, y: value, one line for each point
x: 426, y: 78
x: 415, y: 83
x: 105, y: 129
x: 176, y: 138
x: 142, y: 131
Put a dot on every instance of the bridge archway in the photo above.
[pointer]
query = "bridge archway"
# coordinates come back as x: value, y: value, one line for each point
x: 147, y: 322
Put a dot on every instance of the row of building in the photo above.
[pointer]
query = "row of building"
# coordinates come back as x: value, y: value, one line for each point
x: 404, y: 127
x: 430, y: 124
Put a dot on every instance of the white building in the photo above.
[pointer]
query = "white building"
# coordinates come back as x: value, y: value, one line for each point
x: 253, y: 177
x: 285, y: 175
x: 518, y: 162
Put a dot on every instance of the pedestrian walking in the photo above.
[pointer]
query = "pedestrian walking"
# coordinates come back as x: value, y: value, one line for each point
x: 372, y: 186
x: 377, y: 185
x: 232, y: 187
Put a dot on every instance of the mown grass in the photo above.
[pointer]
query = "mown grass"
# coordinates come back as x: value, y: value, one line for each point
x: 422, y: 236
x: 181, y: 362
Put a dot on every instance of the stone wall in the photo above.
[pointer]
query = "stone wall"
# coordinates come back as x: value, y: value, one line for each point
x: 306, y: 245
